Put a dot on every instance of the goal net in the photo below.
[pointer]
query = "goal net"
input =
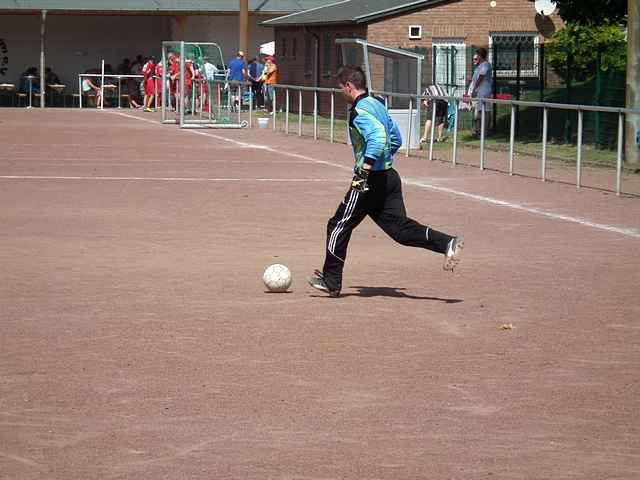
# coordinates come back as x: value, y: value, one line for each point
x: 193, y: 91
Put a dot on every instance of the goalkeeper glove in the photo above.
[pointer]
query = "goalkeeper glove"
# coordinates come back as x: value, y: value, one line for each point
x: 360, y: 178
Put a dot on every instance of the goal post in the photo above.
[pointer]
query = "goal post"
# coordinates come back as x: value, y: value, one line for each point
x: 393, y: 73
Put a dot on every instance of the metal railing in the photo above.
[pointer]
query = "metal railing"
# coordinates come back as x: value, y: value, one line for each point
x: 482, y: 105
x: 283, y: 94
x: 546, y: 107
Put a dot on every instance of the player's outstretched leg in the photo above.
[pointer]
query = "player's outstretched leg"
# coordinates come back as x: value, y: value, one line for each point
x: 453, y: 253
x: 391, y: 216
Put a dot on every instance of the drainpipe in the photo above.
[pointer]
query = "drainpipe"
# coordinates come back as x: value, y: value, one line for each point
x: 43, y: 85
x: 316, y: 79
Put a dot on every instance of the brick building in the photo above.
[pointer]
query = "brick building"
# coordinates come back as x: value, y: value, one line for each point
x: 445, y: 31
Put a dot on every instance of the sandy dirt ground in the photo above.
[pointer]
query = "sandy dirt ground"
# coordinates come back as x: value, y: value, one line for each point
x: 137, y: 340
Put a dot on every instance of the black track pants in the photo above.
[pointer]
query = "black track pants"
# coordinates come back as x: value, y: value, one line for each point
x: 384, y: 204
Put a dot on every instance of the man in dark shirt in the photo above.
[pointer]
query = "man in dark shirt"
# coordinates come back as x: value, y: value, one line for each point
x: 255, y: 72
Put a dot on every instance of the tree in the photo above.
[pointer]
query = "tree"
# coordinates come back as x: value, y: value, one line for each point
x: 582, y: 48
x: 593, y: 12
x: 632, y: 148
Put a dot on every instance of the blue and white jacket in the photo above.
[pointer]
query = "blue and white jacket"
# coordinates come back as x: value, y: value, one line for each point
x: 374, y: 135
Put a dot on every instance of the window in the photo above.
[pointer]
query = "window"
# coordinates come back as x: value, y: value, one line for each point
x: 284, y: 48
x: 505, y: 47
x: 415, y: 32
x: 308, y: 55
x: 327, y: 49
x: 450, y: 65
x: 294, y: 47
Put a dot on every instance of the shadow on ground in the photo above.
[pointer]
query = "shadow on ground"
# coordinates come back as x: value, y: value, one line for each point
x: 393, y: 292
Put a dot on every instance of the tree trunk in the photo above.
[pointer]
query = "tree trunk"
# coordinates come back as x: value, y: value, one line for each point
x: 244, y: 23
x: 632, y: 148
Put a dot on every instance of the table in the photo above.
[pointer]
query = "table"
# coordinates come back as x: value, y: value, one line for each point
x: 8, y: 89
x: 56, y: 88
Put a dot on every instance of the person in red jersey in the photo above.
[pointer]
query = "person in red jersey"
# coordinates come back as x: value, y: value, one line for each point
x: 174, y: 77
x: 148, y: 72
x: 202, y: 91
x: 189, y: 74
x: 158, y: 83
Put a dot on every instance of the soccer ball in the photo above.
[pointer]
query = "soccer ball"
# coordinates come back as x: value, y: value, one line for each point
x: 277, y: 278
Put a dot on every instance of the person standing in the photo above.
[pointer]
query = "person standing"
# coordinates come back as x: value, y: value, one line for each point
x: 376, y: 188
x: 149, y: 83
x: 209, y: 74
x: 236, y: 76
x: 255, y: 73
x: 158, y: 83
x: 173, y: 72
x: 189, y: 75
x: 480, y: 88
x: 269, y: 78
x: 440, y: 105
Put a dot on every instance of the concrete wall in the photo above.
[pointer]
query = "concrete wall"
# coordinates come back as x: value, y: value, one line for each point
x: 75, y: 43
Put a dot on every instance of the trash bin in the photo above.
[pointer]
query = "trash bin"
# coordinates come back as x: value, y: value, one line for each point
x: 401, y: 117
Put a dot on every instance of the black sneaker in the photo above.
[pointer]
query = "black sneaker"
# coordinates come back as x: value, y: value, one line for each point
x: 453, y: 253
x: 317, y: 281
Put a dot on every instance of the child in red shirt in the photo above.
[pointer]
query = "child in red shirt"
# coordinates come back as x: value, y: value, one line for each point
x: 158, y: 83
x: 174, y: 77
x: 148, y: 72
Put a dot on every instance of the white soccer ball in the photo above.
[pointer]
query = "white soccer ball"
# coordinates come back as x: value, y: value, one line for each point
x: 277, y: 278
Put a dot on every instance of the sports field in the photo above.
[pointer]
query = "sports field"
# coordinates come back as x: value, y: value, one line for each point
x: 137, y: 341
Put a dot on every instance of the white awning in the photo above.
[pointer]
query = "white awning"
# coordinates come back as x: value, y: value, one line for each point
x: 268, y: 48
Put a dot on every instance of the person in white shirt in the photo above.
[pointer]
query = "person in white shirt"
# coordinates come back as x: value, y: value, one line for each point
x: 481, y: 88
x: 441, y: 106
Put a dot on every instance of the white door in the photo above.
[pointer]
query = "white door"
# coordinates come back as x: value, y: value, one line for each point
x: 450, y: 65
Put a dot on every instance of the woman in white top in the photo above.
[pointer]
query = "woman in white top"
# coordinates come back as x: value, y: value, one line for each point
x: 88, y: 86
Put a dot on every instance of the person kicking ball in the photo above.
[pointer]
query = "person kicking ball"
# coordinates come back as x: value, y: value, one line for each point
x: 376, y: 188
